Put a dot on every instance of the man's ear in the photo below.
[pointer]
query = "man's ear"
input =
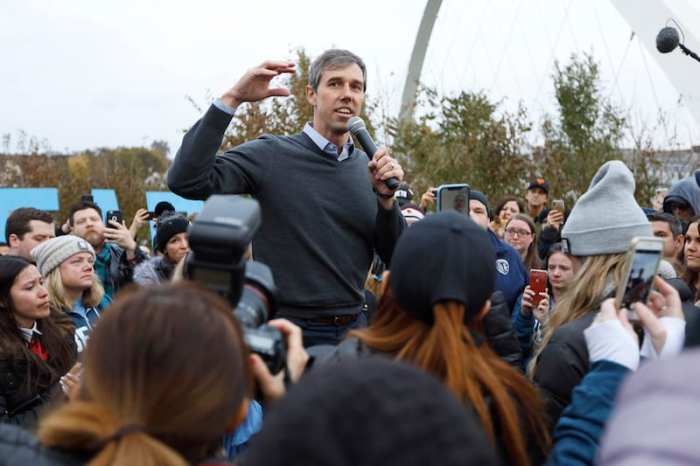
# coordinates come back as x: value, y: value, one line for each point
x: 13, y: 240
x: 310, y: 95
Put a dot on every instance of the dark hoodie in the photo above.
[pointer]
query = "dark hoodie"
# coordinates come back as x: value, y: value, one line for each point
x: 686, y: 189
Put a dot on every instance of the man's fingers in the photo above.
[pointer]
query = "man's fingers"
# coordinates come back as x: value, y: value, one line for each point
x: 277, y: 64
x: 278, y: 92
x: 271, y: 386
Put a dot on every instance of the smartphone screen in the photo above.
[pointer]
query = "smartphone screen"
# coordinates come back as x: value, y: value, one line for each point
x: 454, y: 197
x: 645, y: 264
x: 538, y: 284
x: 558, y: 204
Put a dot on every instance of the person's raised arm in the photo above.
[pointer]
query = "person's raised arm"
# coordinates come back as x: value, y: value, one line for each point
x: 196, y: 172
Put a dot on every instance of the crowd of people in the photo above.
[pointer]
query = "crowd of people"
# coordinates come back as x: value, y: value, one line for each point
x: 412, y: 335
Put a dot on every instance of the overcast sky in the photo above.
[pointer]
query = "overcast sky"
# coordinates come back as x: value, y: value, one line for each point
x: 85, y: 74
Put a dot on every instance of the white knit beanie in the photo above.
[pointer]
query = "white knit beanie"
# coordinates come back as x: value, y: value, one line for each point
x: 52, y: 253
x: 606, y: 217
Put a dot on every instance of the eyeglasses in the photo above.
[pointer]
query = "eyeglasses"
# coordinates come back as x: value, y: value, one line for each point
x: 517, y: 231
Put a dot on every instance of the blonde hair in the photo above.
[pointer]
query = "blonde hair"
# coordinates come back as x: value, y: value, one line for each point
x: 57, y: 293
x: 597, y: 276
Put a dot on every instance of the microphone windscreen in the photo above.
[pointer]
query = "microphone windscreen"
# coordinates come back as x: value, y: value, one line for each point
x: 356, y: 124
x: 667, y: 39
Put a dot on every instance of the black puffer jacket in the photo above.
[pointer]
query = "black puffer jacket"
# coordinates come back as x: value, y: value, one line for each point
x: 22, y: 405
x: 562, y: 364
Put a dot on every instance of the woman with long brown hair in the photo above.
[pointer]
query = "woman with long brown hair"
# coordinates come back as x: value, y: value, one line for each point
x: 441, y: 278
x: 691, y: 258
x: 505, y: 209
x: 150, y: 394
x: 36, y: 350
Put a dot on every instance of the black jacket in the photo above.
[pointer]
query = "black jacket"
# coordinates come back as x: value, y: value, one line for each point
x: 19, y: 448
x: 499, y: 332
x: 22, y: 405
x: 561, y: 365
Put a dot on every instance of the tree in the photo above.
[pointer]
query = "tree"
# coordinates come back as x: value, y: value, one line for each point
x: 463, y: 138
x: 586, y: 133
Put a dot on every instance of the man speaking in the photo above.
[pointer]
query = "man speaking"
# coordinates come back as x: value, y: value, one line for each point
x: 325, y: 205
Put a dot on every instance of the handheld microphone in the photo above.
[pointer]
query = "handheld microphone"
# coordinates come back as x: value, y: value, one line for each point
x: 358, y: 129
x: 667, y: 40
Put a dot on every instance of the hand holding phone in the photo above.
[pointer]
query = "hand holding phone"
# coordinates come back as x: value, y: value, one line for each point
x: 641, y: 265
x: 113, y: 216
x: 538, y: 285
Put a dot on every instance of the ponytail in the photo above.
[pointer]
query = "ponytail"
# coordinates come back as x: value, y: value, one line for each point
x: 86, y: 426
x: 506, y: 403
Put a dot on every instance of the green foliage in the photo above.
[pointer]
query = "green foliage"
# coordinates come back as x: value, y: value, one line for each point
x: 586, y: 133
x: 465, y: 138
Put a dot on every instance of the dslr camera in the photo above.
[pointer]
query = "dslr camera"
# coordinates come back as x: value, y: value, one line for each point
x: 219, y: 238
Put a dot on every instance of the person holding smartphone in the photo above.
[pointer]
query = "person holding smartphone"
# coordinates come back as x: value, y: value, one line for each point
x: 117, y: 253
x: 598, y: 233
x: 530, y: 315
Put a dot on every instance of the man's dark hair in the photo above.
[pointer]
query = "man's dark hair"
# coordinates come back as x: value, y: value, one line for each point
x: 82, y: 205
x: 332, y: 60
x: 18, y: 221
x: 674, y: 224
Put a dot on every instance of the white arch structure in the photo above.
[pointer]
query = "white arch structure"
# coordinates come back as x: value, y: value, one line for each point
x: 645, y: 18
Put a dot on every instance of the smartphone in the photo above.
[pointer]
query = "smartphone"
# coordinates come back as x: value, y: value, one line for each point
x: 641, y: 265
x: 152, y: 216
x: 558, y: 204
x: 453, y: 197
x: 114, y: 215
x: 538, y: 284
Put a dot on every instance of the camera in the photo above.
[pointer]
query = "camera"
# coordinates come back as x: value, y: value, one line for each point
x: 218, y: 240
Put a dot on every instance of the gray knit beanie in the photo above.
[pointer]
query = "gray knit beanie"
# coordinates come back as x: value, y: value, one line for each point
x: 52, y: 253
x: 606, y: 217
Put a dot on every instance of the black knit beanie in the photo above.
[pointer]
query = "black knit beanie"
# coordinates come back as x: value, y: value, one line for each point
x: 481, y: 197
x: 169, y: 226
x: 369, y: 412
x: 446, y: 256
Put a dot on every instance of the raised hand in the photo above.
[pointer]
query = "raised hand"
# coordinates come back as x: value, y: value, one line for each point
x: 255, y: 83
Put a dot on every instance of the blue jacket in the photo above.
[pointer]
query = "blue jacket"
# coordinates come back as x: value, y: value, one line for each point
x: 511, y: 276
x: 236, y: 442
x: 84, y: 320
x: 580, y: 427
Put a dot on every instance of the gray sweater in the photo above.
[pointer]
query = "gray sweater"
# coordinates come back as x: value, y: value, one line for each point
x: 321, y: 221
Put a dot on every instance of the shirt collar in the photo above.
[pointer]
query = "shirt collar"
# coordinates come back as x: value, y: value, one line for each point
x: 28, y: 333
x: 325, y: 145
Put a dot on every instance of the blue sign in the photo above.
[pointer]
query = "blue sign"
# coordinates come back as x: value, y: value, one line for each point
x: 106, y: 199
x: 13, y: 198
